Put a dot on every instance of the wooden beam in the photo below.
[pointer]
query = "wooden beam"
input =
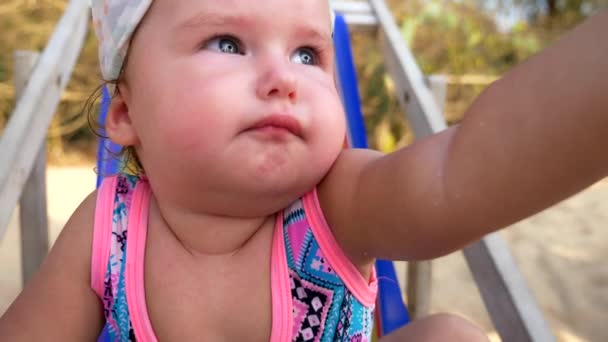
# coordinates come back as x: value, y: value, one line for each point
x: 438, y: 85
x: 352, y: 6
x: 32, y: 208
x: 33, y: 216
x: 24, y: 134
x: 418, y: 288
x: 361, y: 22
x: 508, y: 299
x: 357, y: 14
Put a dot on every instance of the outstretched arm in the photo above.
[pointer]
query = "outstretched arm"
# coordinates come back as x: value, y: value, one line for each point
x: 531, y: 139
x: 58, y: 303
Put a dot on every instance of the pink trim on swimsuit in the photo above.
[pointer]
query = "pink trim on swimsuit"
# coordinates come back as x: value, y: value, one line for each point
x: 134, y: 276
x: 363, y: 290
x: 282, y: 315
x: 100, y: 248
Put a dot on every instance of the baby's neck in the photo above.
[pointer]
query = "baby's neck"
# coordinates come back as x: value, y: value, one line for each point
x: 204, y: 234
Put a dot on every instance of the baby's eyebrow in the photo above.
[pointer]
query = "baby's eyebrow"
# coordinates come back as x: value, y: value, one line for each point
x: 206, y: 18
x: 313, y: 34
x: 210, y: 18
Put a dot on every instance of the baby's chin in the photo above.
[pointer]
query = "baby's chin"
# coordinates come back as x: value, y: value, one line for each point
x: 294, y: 175
x: 269, y: 196
x: 290, y: 188
x: 257, y: 204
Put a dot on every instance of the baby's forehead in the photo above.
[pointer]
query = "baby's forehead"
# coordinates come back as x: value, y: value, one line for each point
x: 115, y: 21
x: 268, y: 11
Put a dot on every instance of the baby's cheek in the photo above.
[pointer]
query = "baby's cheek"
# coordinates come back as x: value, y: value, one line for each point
x: 189, y: 131
x: 194, y: 116
x: 330, y: 136
x: 335, y: 121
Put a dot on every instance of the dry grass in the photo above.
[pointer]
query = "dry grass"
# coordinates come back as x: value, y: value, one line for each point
x: 27, y: 25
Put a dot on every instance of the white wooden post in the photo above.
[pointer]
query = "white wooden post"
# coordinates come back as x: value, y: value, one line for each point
x: 418, y: 288
x: 32, y: 208
x: 511, y: 305
x: 438, y: 84
x: 26, y: 129
x: 358, y: 14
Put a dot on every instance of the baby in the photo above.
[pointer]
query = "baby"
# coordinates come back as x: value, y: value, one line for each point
x: 248, y: 221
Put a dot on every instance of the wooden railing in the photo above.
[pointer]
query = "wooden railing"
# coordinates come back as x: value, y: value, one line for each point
x: 40, y: 82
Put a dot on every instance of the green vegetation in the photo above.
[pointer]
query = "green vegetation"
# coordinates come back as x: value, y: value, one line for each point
x: 447, y: 37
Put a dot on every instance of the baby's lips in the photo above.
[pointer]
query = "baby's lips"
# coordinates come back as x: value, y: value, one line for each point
x: 283, y: 121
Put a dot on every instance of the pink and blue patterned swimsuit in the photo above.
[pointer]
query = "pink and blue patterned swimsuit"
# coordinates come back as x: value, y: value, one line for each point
x: 317, y: 293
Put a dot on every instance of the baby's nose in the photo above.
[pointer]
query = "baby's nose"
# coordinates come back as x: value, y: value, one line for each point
x: 278, y: 80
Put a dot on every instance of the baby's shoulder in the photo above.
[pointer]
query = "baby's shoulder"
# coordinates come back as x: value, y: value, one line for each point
x: 67, y: 267
x: 77, y: 234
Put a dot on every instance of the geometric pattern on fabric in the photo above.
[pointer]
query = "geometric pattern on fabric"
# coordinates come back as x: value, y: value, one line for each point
x: 314, y: 303
x: 324, y: 308
x: 118, y: 325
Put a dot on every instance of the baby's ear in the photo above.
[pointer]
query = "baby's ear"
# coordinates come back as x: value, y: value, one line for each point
x: 119, y: 127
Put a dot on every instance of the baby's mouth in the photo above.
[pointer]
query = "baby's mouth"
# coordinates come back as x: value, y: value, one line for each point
x: 277, y: 124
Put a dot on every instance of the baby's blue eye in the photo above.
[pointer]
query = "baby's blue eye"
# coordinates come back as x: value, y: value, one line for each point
x: 225, y: 45
x: 306, y: 56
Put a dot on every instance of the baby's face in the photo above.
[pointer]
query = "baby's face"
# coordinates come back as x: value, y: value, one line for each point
x: 235, y: 95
